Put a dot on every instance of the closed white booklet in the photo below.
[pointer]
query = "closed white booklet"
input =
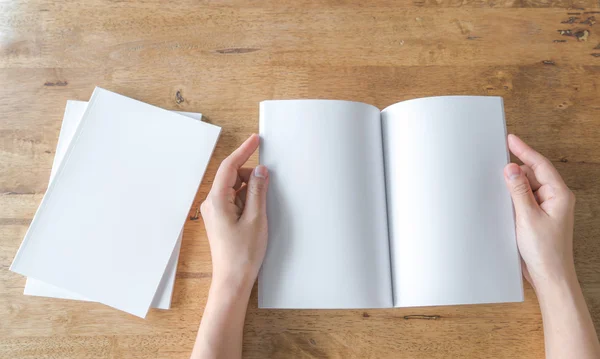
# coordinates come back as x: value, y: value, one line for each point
x: 110, y: 220
x: 395, y: 208
x: 162, y: 299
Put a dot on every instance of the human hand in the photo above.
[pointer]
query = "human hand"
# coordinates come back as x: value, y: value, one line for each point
x: 544, y: 210
x: 235, y: 218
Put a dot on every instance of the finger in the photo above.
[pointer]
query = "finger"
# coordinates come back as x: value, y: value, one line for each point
x: 227, y: 174
x: 537, y: 198
x: 535, y: 184
x: 239, y: 206
x: 546, y: 193
x: 520, y: 191
x: 242, y: 177
x: 242, y: 194
x: 543, y: 169
x: 256, y: 197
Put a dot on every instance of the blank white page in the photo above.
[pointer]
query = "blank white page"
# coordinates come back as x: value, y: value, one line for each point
x: 452, y: 230
x: 110, y: 219
x: 328, y: 241
x: 74, y: 111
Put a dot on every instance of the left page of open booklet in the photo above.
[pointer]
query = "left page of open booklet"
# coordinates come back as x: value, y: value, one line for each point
x: 328, y: 237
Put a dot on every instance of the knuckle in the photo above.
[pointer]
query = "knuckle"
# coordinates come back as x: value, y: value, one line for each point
x: 224, y: 166
x: 228, y: 164
x: 543, y: 165
x: 257, y: 187
x: 567, y: 193
x: 207, y: 206
x: 252, y: 217
x: 546, y: 162
x: 253, y: 191
x: 204, y: 207
x: 521, y: 189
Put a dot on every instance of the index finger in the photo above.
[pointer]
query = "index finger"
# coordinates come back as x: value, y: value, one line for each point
x: 544, y: 171
x: 227, y: 173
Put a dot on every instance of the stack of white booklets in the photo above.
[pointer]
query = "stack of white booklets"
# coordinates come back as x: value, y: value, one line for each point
x: 123, y: 180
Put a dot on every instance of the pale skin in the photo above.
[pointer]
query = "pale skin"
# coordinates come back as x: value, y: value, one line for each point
x: 235, y: 217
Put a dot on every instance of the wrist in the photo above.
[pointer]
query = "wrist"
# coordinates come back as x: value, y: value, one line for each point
x: 236, y: 284
x: 558, y: 282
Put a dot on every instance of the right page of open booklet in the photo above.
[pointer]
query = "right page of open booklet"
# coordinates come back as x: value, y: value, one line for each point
x: 450, y: 216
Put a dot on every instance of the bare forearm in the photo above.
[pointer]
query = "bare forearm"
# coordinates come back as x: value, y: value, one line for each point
x: 568, y: 328
x: 235, y: 217
x: 221, y: 329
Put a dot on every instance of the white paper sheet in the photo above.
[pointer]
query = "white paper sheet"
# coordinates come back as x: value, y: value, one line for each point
x: 74, y: 111
x: 328, y: 240
x: 110, y: 219
x: 450, y: 215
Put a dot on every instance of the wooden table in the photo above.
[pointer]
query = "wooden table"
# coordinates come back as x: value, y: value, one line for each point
x: 221, y: 58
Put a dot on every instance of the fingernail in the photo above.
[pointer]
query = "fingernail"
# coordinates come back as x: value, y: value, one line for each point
x: 513, y: 171
x: 260, y: 171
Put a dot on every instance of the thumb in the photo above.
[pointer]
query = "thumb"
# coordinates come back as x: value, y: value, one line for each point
x: 520, y: 190
x: 256, y: 197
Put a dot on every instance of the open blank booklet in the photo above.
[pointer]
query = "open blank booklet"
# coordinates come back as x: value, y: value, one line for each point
x: 395, y: 208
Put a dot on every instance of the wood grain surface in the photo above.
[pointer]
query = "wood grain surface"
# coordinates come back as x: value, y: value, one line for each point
x: 221, y: 58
